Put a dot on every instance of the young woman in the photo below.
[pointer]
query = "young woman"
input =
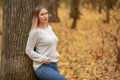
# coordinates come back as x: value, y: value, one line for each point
x: 43, y: 39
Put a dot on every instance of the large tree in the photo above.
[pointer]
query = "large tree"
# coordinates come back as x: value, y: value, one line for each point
x: 17, y: 16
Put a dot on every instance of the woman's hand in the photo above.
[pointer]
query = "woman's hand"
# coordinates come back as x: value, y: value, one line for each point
x: 47, y: 62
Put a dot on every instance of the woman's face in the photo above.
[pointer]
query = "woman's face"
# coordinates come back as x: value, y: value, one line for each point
x: 43, y: 16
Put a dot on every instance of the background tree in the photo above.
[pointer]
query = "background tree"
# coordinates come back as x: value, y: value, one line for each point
x: 100, y: 6
x: 106, y: 5
x: 109, y: 5
x: 107, y: 10
x: 17, y: 16
x: 74, y: 13
x: 53, y: 9
x: 0, y: 2
x: 66, y: 2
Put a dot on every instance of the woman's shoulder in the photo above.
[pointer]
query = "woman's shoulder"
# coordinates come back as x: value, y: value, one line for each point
x: 34, y: 31
x: 50, y: 26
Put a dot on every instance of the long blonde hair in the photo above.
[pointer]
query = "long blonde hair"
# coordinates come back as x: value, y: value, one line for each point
x: 35, y: 19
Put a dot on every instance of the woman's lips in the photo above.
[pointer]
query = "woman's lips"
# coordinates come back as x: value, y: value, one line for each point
x: 45, y: 19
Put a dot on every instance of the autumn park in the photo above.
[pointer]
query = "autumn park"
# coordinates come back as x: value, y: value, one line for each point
x: 88, y: 33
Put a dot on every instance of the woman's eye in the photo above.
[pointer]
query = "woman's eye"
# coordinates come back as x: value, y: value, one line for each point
x: 42, y: 14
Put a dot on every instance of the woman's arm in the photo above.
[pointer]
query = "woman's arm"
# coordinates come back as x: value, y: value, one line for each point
x: 32, y: 39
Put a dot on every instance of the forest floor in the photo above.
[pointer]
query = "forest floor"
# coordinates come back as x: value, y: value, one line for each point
x: 86, y: 53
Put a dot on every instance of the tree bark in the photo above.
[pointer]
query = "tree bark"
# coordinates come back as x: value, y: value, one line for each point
x: 17, y: 16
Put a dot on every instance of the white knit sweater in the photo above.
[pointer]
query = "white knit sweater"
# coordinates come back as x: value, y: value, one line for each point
x: 45, y: 42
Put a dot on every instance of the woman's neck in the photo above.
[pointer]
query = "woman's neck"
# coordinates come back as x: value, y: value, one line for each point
x: 42, y: 25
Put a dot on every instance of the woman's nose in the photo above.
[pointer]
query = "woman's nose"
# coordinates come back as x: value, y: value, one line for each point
x: 46, y: 15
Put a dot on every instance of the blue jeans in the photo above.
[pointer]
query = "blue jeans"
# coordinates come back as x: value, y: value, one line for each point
x: 49, y: 72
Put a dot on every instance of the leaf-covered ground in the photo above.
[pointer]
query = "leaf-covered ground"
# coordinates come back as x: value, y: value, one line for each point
x: 86, y: 53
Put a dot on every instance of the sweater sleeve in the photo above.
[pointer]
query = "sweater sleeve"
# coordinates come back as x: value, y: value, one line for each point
x: 32, y: 39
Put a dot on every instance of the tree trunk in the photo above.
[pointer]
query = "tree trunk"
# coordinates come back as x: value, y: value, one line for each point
x: 74, y: 23
x: 74, y: 13
x: 99, y: 6
x: 107, y: 11
x: 107, y: 15
x: 53, y: 9
x: 17, y: 16
x: 54, y: 12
